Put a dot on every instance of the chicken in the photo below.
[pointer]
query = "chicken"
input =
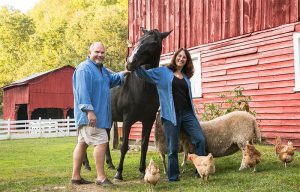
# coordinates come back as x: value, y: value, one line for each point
x: 205, y: 165
x: 251, y: 157
x: 284, y: 152
x: 152, y: 173
x: 278, y: 145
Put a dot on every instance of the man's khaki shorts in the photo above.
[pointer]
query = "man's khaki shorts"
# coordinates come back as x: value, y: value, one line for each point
x: 92, y: 135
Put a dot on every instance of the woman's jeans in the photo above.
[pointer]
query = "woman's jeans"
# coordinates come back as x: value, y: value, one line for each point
x: 187, y: 121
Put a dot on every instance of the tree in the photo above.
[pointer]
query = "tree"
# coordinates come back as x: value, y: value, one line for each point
x: 56, y: 33
x: 16, y: 29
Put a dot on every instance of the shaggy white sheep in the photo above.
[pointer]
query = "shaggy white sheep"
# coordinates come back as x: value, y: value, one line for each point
x: 224, y: 135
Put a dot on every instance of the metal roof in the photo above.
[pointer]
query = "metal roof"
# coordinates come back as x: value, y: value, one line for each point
x: 31, y: 77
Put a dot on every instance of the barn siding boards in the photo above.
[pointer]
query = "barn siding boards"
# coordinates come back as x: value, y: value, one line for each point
x: 230, y: 54
x: 261, y: 67
x: 232, y: 65
x: 13, y: 96
x: 294, y: 10
x: 278, y: 97
x: 166, y: 10
x: 246, y: 43
x: 202, y: 22
x: 288, y: 83
x: 205, y: 24
x: 177, y: 22
x: 52, y: 89
x: 287, y: 110
x: 279, y: 103
x: 187, y: 23
x: 266, y: 74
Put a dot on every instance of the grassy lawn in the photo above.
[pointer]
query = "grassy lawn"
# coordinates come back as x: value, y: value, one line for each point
x: 46, y: 165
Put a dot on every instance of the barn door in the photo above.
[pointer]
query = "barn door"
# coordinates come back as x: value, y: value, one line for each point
x: 21, y: 112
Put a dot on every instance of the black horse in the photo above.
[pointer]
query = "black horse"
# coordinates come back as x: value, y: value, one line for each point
x: 137, y: 100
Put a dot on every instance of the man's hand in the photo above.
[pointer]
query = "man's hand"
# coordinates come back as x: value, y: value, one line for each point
x: 126, y: 72
x: 92, y: 118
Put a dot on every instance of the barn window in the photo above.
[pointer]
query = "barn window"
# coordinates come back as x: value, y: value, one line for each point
x: 196, y: 79
x: 296, y: 38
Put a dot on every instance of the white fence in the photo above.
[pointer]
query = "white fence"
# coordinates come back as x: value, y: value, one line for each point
x: 37, y: 128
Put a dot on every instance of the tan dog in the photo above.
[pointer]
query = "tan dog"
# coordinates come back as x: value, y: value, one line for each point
x: 205, y: 165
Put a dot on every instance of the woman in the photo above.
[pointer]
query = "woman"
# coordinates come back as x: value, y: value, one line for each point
x: 177, y: 110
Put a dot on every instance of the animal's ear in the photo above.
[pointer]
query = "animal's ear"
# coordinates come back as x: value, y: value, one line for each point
x: 144, y: 30
x: 129, y: 43
x: 165, y: 34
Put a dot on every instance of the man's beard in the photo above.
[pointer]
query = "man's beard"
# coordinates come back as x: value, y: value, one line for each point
x: 98, y: 61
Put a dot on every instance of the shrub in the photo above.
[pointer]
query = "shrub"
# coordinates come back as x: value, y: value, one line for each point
x: 234, y: 101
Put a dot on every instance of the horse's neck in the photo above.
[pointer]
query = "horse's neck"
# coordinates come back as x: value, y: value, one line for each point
x: 139, y: 84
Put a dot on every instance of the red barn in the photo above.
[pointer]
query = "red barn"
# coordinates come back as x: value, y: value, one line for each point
x: 45, y: 95
x: 249, y: 43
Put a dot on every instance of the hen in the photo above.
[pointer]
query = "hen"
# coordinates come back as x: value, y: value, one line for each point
x: 251, y: 157
x: 205, y: 165
x: 284, y: 152
x: 152, y: 173
x: 278, y: 145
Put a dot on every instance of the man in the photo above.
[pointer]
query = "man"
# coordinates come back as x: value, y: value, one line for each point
x: 92, y: 111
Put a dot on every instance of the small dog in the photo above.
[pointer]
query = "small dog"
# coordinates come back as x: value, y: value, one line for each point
x: 205, y: 165
x: 251, y: 157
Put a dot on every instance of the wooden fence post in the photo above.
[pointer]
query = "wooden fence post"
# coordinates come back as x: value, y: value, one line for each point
x: 68, y: 126
x: 9, y: 130
x: 40, y: 126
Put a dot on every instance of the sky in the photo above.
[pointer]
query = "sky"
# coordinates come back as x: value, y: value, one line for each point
x: 22, y: 5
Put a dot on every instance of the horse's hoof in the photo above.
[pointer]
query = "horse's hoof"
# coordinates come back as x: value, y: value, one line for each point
x: 111, y: 167
x: 88, y: 168
x: 142, y: 175
x: 118, y: 177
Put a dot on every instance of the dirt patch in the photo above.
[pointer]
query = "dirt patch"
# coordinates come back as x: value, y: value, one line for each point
x: 89, y: 187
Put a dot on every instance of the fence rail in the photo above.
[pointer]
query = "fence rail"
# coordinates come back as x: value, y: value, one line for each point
x: 37, y: 128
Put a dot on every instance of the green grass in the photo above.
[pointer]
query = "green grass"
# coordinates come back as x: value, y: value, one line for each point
x: 46, y: 165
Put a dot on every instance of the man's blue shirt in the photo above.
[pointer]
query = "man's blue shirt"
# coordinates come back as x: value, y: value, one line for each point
x: 162, y: 77
x: 91, y: 89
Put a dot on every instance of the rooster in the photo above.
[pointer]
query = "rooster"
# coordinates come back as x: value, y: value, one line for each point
x: 284, y: 152
x: 251, y: 157
x: 205, y: 165
x: 152, y: 173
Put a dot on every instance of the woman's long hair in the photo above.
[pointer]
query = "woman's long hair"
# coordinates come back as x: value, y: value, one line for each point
x: 188, y: 68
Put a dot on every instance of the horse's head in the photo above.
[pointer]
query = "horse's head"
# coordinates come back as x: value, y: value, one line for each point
x: 148, y: 49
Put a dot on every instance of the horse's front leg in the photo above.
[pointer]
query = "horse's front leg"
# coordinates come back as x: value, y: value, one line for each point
x: 109, y: 162
x: 147, y: 125
x: 86, y: 163
x: 124, y: 148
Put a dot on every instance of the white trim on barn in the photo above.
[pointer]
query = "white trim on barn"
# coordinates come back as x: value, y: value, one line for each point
x: 196, y: 80
x: 296, y: 40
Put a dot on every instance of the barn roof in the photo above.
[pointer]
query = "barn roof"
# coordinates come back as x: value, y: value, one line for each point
x: 25, y: 80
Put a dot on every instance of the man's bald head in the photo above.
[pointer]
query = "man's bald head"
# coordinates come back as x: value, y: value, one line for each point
x: 97, y: 52
x: 95, y: 44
